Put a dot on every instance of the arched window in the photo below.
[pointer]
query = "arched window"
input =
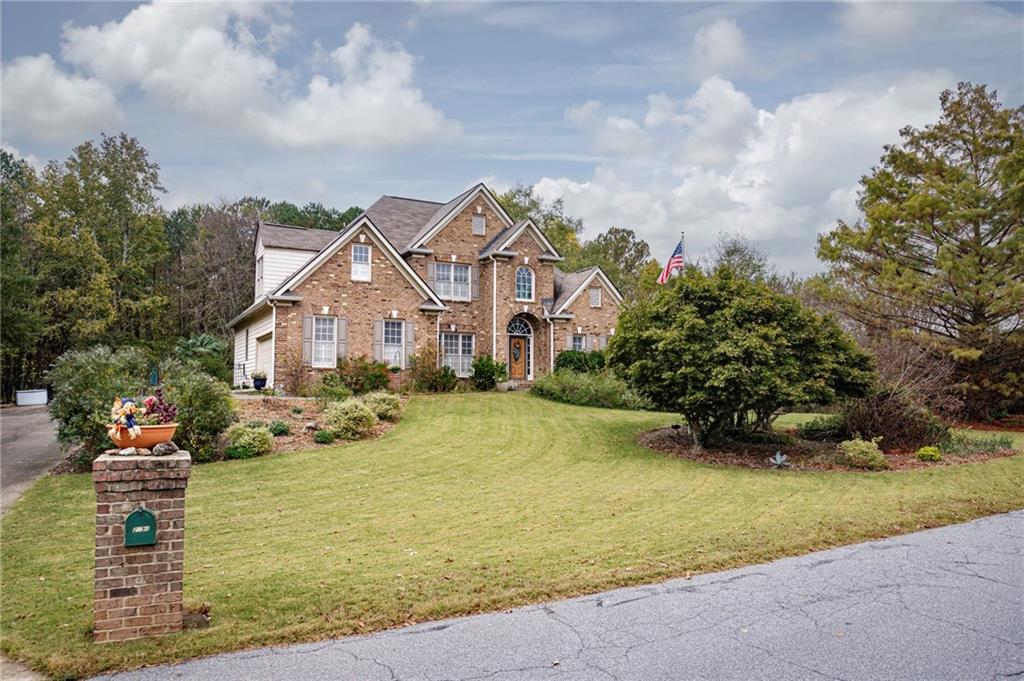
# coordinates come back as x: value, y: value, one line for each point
x: 524, y: 284
x: 518, y: 326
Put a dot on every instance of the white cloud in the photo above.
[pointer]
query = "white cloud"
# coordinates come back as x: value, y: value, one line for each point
x: 719, y: 49
x: 780, y: 176
x: 42, y: 102
x: 31, y: 159
x: 216, y: 62
x: 899, y: 25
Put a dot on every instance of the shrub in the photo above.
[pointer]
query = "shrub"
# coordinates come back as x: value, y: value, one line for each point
x: 349, y: 418
x: 85, y: 383
x: 428, y: 377
x: 208, y: 353
x: 588, y: 389
x: 929, y: 454
x: 579, y: 361
x: 828, y: 428
x: 487, y: 373
x: 245, y: 442
x: 205, y: 409
x: 893, y: 416
x: 331, y: 388
x: 863, y: 454
x: 297, y: 410
x: 964, y: 444
x: 323, y: 437
x: 279, y: 428
x: 384, y: 405
x: 256, y: 424
x: 362, y: 375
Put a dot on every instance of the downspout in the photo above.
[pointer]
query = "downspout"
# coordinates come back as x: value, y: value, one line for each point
x: 551, y: 346
x: 273, y: 343
x: 494, y: 307
x: 437, y: 339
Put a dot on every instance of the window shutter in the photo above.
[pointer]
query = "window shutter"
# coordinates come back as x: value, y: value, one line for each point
x: 475, y: 282
x: 602, y: 342
x: 592, y: 343
x: 410, y: 343
x: 568, y: 341
x: 431, y: 276
x: 307, y: 340
x: 378, y: 340
x: 342, y: 335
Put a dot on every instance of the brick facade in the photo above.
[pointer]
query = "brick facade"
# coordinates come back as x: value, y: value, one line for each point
x: 137, y: 590
x: 588, y: 321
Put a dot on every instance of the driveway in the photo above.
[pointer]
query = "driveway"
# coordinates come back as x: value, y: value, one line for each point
x: 28, y: 448
x: 942, y: 604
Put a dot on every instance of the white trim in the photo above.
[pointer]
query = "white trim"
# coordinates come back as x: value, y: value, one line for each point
x: 420, y: 239
x: 451, y: 281
x: 538, y: 234
x: 334, y: 342
x: 343, y: 238
x: 273, y: 345
x: 533, y: 284
x: 472, y: 350
x: 586, y: 282
x: 368, y: 263
x: 384, y: 344
x: 494, y: 307
x: 590, y: 296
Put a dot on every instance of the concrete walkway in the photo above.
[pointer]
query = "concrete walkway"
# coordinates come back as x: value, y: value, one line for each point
x: 942, y: 604
x: 28, y: 448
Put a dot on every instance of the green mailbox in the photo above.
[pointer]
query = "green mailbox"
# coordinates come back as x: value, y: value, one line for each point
x: 140, y: 528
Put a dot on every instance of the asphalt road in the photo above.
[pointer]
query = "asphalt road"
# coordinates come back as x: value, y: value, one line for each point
x: 28, y: 448
x: 942, y: 604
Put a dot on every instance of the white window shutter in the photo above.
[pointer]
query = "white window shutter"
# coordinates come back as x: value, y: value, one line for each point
x: 410, y: 343
x: 378, y: 340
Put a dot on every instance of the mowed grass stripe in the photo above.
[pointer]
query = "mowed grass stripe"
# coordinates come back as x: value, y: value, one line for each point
x: 473, y: 502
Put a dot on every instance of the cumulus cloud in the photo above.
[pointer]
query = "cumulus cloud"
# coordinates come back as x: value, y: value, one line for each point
x: 719, y: 49
x: 719, y: 164
x: 217, y: 62
x: 897, y: 25
x: 42, y: 102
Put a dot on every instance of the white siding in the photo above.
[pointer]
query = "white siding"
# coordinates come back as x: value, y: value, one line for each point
x: 278, y: 265
x: 258, y: 326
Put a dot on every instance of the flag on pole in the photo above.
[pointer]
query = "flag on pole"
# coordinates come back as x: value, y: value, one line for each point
x: 674, y: 263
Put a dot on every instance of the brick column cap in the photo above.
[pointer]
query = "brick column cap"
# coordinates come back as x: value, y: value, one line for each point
x: 180, y: 462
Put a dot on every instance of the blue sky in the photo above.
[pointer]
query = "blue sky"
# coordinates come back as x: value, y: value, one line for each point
x: 757, y: 118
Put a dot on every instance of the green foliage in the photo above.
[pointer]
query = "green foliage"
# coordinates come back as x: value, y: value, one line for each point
x: 487, y: 373
x: 324, y: 437
x: 561, y: 229
x: 938, y: 250
x: 929, y: 454
x: 208, y: 352
x: 826, y: 428
x: 205, y: 408
x: 246, y: 442
x: 330, y: 388
x: 602, y: 389
x: 314, y: 215
x: 727, y: 353
x: 964, y: 444
x: 297, y: 410
x: 428, y: 377
x: 362, y: 375
x: 619, y: 254
x: 386, y: 406
x: 279, y: 428
x: 85, y: 383
x: 860, y: 453
x: 256, y: 423
x: 349, y: 418
x: 580, y: 361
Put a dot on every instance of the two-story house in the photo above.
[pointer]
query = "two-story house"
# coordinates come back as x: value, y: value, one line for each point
x: 406, y: 273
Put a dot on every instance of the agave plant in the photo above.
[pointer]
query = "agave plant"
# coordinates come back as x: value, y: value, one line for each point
x: 780, y: 460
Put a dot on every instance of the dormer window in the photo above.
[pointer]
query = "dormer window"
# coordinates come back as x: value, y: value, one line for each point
x: 524, y: 284
x: 595, y: 297
x: 360, y: 262
x: 479, y: 224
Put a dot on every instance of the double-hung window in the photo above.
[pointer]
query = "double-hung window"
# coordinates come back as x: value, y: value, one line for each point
x: 452, y: 281
x: 360, y: 262
x: 595, y: 297
x: 325, y: 348
x: 579, y: 342
x: 394, y: 342
x: 457, y: 353
x: 524, y: 284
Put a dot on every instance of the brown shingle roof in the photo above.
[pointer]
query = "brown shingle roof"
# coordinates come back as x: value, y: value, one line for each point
x: 566, y: 284
x: 401, y: 219
x: 274, y: 235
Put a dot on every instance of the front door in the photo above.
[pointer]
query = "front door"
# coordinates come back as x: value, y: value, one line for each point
x: 517, y: 358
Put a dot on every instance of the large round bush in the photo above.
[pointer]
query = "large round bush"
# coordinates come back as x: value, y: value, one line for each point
x: 349, y: 418
x: 205, y: 408
x: 386, y: 406
x: 245, y: 442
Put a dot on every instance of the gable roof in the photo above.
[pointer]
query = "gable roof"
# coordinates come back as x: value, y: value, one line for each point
x: 275, y: 235
x: 342, y: 238
x: 507, y: 236
x: 445, y: 213
x: 569, y: 285
x: 400, y: 219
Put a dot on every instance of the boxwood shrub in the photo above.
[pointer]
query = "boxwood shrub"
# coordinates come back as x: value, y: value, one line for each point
x: 246, y: 442
x: 602, y: 389
x: 386, y: 406
x: 349, y: 418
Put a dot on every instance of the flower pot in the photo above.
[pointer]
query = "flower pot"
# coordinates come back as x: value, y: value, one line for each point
x: 150, y: 436
x: 259, y: 383
x: 501, y: 387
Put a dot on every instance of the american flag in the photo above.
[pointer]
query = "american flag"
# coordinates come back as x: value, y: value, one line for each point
x: 674, y: 263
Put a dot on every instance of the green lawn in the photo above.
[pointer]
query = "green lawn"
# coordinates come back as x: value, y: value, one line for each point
x: 473, y: 502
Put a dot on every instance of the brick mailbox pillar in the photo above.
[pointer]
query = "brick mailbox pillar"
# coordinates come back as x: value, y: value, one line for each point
x: 140, y: 544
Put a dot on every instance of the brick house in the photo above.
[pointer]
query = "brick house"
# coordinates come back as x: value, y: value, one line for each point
x: 461, y: 276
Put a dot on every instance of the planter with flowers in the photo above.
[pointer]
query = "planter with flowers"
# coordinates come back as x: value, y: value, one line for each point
x: 259, y: 379
x: 142, y: 426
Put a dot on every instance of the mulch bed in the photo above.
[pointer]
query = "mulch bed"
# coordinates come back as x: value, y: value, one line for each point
x: 802, y: 455
x: 269, y: 409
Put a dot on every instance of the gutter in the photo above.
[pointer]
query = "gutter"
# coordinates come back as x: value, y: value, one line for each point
x: 494, y: 307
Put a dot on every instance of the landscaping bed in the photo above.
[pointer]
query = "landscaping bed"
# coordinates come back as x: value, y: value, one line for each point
x: 801, y: 455
x: 269, y: 409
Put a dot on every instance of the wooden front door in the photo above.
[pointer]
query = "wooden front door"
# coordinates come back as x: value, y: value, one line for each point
x: 517, y: 358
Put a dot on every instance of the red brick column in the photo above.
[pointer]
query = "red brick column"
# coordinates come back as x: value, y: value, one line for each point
x: 137, y: 589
